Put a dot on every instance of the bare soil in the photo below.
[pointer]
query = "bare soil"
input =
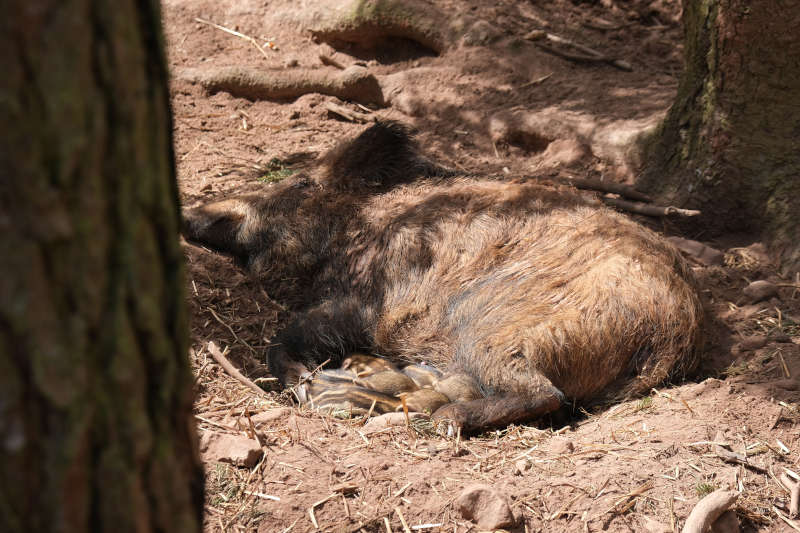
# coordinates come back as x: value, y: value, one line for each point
x: 636, y: 466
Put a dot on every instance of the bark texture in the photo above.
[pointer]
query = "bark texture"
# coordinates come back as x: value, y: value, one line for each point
x: 95, y: 384
x: 730, y: 145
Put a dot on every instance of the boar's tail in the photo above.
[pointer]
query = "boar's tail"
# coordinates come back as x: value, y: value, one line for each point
x: 382, y: 156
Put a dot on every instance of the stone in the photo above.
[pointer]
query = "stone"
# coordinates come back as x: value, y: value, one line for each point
x: 705, y: 254
x: 271, y: 415
x: 485, y: 506
x: 753, y: 342
x: 237, y: 450
x: 521, y: 466
x: 561, y: 446
x: 760, y: 290
x: 654, y: 526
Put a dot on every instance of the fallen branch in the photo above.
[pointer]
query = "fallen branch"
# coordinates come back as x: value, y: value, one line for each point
x: 649, y: 210
x: 220, y: 358
x: 590, y: 54
x: 354, y: 83
x: 708, y: 510
x: 603, y: 186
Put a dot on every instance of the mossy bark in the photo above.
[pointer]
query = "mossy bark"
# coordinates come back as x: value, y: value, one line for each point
x: 730, y: 144
x: 95, y: 383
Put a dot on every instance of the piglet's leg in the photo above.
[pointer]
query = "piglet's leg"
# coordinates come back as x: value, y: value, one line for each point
x: 499, y: 410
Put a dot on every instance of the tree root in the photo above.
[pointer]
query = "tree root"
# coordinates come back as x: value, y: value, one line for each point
x: 354, y: 83
x: 708, y: 510
x: 367, y: 24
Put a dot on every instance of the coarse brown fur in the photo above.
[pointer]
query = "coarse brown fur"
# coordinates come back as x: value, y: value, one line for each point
x: 534, y: 292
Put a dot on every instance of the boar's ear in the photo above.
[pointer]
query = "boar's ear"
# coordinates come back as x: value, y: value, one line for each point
x: 217, y: 226
x: 384, y: 155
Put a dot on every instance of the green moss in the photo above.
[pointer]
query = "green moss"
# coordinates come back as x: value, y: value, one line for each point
x: 276, y: 171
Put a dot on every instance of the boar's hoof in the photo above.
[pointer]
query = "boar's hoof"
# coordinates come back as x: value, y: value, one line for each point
x: 497, y: 411
x: 449, y: 418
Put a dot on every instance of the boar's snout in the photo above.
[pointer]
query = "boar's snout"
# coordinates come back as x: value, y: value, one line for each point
x: 217, y: 226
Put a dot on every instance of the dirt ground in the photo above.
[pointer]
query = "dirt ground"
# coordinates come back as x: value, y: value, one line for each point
x: 637, y: 466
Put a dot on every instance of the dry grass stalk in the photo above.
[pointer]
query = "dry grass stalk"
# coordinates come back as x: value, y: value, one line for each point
x: 791, y: 523
x: 248, y: 38
x: 626, y: 502
x: 402, y: 520
x: 230, y: 329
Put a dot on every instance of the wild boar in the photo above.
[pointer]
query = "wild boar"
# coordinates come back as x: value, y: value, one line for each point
x: 537, y: 294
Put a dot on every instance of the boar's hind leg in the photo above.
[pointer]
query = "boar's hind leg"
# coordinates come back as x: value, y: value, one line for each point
x: 329, y: 331
x: 501, y: 409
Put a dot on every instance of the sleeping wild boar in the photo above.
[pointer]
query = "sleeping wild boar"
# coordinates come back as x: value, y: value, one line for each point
x: 537, y: 295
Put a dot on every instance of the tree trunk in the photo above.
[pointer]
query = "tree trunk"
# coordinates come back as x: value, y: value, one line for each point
x: 730, y: 144
x: 95, y: 384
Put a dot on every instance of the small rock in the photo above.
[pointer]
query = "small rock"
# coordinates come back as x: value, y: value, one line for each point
x: 521, y: 466
x: 753, y: 342
x: 384, y: 421
x: 484, y: 505
x: 705, y: 254
x: 728, y: 522
x: 778, y: 336
x: 561, y: 446
x: 789, y: 384
x: 760, y: 290
x: 234, y: 449
x: 654, y: 526
x: 271, y: 415
x: 292, y: 62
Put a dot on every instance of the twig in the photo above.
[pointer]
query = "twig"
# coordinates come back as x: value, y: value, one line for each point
x: 402, y: 520
x: 777, y: 418
x: 229, y: 328
x: 591, y: 55
x: 220, y: 358
x: 262, y: 496
x: 317, y: 504
x: 733, y: 457
x: 649, y: 210
x: 537, y: 81
x: 791, y: 523
x: 236, y: 33
x: 708, y: 510
x: 347, y: 114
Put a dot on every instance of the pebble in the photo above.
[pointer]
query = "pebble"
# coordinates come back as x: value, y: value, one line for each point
x: 485, y: 506
x: 237, y: 450
x: 760, y: 290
